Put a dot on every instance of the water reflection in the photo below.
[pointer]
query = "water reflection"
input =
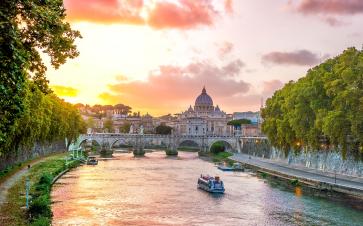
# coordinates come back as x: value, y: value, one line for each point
x: 160, y: 190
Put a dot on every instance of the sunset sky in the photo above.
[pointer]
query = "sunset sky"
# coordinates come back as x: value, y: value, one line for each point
x: 156, y: 55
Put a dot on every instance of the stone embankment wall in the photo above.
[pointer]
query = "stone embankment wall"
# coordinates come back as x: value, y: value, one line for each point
x: 23, y: 154
x: 328, y: 161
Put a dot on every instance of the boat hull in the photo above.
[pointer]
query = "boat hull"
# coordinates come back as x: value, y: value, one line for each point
x: 225, y: 168
x: 211, y: 189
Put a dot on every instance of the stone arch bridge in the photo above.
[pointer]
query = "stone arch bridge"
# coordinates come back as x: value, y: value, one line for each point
x: 171, y: 142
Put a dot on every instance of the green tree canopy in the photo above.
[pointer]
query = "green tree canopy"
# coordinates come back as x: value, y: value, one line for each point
x: 217, y: 147
x: 325, y: 105
x: 27, y: 27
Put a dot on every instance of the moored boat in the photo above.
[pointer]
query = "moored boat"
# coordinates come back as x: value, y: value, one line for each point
x: 225, y: 168
x: 91, y: 160
x: 238, y: 167
x: 210, y: 184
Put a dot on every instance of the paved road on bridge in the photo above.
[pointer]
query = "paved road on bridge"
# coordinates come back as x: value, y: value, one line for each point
x: 301, y: 172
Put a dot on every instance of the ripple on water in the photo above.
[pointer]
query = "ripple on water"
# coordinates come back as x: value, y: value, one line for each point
x: 160, y: 190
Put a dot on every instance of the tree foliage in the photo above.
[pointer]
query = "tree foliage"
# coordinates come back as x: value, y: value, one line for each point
x: 323, y: 108
x: 163, y: 129
x: 99, y: 111
x: 239, y: 122
x: 28, y: 27
x: 108, y: 125
x: 45, y: 118
x: 125, y: 128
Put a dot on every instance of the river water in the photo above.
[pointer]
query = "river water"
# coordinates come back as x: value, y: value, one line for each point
x: 160, y: 190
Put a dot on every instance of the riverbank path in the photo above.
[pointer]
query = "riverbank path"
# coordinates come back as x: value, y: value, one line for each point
x: 301, y: 172
x: 11, y: 181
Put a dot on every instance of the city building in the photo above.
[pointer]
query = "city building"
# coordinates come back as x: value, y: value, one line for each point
x: 203, y: 119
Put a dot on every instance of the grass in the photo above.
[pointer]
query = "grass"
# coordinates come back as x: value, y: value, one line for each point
x: 40, y: 176
x: 10, y: 170
x: 222, y: 157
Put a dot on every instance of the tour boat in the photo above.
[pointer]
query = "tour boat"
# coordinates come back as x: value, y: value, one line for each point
x: 210, y: 184
x: 91, y: 160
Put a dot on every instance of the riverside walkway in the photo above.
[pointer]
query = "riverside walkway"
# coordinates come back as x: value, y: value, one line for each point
x: 319, y: 179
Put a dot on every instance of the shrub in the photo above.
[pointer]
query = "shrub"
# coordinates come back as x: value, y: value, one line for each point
x: 45, y: 181
x: 217, y: 147
x: 40, y: 207
x: 41, y: 221
x: 295, y: 182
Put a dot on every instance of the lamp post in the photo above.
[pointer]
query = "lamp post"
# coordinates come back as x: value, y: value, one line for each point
x: 27, y: 188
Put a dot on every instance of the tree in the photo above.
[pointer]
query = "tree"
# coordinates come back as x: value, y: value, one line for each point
x: 324, y: 106
x: 27, y: 27
x: 163, y: 129
x: 239, y: 122
x: 125, y: 128
x: 91, y: 122
x: 108, y: 125
x: 123, y: 109
x: 217, y: 147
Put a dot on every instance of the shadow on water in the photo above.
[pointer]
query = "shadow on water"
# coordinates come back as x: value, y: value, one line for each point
x: 311, y: 193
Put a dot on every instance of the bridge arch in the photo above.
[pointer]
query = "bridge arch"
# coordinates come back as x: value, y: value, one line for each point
x: 123, y: 141
x: 188, y: 143
x: 227, y: 144
x: 86, y: 140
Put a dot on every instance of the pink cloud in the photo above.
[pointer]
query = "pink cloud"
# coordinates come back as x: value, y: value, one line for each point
x: 334, y: 22
x: 269, y: 87
x: 337, y: 7
x: 299, y: 57
x: 225, y: 49
x: 173, y: 87
x: 187, y: 14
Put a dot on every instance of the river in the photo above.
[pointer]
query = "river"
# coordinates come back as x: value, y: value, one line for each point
x: 160, y: 190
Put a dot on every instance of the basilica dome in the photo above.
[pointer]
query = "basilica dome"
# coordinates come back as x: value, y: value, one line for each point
x: 204, y: 99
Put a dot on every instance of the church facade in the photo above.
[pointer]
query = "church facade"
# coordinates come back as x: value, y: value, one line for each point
x: 203, y: 119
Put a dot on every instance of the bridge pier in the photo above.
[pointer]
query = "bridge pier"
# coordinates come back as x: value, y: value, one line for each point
x: 171, y: 149
x: 138, y: 148
x: 106, y: 151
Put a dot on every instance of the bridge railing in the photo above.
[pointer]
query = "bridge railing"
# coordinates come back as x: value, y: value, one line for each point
x: 108, y: 135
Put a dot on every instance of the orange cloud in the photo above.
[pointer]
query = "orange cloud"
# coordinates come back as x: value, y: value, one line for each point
x: 173, y: 88
x: 180, y: 14
x: 105, y: 11
x: 228, y: 6
x: 65, y: 91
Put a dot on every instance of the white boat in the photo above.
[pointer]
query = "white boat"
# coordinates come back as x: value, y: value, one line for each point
x: 210, y: 184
